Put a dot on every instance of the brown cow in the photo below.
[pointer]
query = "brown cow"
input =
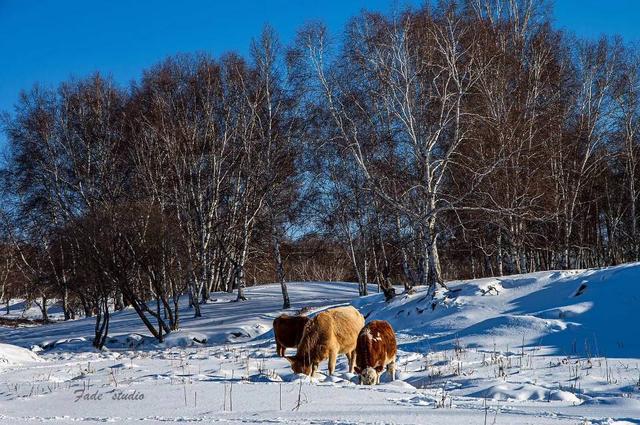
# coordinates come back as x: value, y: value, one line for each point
x: 376, y: 349
x: 331, y: 332
x: 288, y: 332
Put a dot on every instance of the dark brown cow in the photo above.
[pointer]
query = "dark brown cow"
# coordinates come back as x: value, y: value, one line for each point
x: 288, y: 332
x: 376, y: 350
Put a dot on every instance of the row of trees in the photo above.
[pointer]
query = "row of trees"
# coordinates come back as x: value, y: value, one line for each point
x: 455, y: 141
x: 478, y: 134
x: 142, y: 195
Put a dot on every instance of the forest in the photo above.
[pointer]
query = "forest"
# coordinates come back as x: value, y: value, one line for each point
x: 457, y: 140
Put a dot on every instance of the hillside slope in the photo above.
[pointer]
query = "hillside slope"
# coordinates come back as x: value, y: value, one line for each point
x: 223, y: 320
x: 587, y: 312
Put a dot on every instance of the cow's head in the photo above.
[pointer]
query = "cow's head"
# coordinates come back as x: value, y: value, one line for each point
x: 369, y: 376
x: 299, y: 366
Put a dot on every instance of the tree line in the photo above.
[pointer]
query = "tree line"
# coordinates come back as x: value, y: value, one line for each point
x: 457, y: 140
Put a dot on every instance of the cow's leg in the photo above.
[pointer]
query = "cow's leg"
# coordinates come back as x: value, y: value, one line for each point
x: 348, y: 354
x: 377, y: 377
x: 352, y: 361
x: 332, y: 362
x: 279, y: 349
x: 314, y: 369
x: 391, y: 370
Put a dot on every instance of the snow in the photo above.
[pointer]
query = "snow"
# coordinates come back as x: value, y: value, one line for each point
x: 542, y: 348
x: 509, y: 391
x: 10, y: 355
x: 542, y: 308
x: 21, y: 309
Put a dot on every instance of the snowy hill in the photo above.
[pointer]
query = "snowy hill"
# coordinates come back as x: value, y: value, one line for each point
x: 592, y: 313
x: 549, y: 347
x: 223, y: 320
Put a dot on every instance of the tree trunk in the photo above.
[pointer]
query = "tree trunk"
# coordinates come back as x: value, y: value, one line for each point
x: 354, y: 261
x: 160, y: 336
x: 240, y: 283
x: 2, y: 296
x: 193, y: 297
x: 567, y: 235
x: 364, y: 290
x: 435, y: 272
x: 409, y: 279
x: 88, y: 311
x: 102, y: 324
x: 43, y: 309
x: 499, y: 254
x: 176, y: 306
x: 118, y: 301
x: 286, y: 303
x: 65, y: 303
x: 473, y: 266
x: 634, y: 224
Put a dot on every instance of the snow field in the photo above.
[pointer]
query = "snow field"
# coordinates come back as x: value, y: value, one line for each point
x: 542, y: 348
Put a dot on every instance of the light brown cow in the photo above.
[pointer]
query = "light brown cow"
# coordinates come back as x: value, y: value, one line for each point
x: 331, y: 332
x: 288, y: 332
x: 376, y: 349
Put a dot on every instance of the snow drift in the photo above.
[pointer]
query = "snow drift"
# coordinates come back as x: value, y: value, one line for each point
x: 10, y: 355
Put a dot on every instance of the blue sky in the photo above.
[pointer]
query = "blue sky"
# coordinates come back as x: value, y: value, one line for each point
x: 47, y: 41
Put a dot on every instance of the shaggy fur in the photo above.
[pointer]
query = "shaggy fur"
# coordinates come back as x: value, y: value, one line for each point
x: 331, y: 332
x: 288, y: 332
x: 376, y: 349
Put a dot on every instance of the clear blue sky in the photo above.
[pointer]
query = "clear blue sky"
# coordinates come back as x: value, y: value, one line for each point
x: 47, y: 41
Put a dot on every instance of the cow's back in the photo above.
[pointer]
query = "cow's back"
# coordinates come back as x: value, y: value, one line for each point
x: 347, y: 323
x: 317, y: 337
x: 288, y: 330
x: 376, y: 345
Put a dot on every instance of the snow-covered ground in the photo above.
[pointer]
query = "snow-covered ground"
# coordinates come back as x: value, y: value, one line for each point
x: 543, y: 348
x: 20, y: 309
